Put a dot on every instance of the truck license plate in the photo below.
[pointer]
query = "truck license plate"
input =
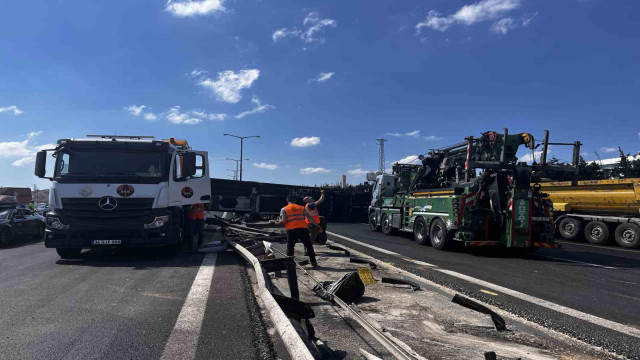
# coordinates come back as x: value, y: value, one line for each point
x: 107, y: 242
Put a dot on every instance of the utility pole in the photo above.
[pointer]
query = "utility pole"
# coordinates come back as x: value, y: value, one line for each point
x: 237, y: 162
x: 235, y: 173
x: 381, y: 155
x: 241, y: 147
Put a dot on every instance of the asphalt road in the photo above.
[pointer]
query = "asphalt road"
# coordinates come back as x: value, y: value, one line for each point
x: 126, y: 305
x: 599, y: 281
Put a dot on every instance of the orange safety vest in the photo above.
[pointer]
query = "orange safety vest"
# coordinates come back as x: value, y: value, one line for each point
x: 295, y: 217
x: 314, y: 214
x: 195, y: 212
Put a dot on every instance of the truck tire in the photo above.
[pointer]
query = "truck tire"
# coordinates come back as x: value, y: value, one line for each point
x: 570, y: 228
x: 385, y: 224
x: 420, y: 231
x: 439, y: 235
x: 628, y: 235
x: 68, y: 253
x: 372, y: 223
x: 596, y: 232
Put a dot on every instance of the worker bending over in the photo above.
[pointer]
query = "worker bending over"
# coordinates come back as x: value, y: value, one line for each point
x: 312, y: 208
x: 293, y: 217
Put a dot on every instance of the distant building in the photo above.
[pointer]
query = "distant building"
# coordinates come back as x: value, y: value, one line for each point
x: 610, y: 163
x: 23, y: 195
x: 40, y: 196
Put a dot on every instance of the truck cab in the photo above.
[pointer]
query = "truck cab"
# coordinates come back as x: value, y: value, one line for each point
x: 121, y: 191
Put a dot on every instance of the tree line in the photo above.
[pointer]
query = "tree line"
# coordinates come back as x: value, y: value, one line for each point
x: 593, y: 171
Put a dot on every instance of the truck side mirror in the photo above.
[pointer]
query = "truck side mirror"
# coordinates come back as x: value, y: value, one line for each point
x: 41, y: 164
x: 188, y: 164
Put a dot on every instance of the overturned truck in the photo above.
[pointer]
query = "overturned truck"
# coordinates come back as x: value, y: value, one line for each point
x: 475, y: 193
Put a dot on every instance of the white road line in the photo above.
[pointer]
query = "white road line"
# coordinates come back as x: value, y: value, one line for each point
x: 183, y: 340
x: 598, y: 246
x: 532, y: 299
x: 576, y: 261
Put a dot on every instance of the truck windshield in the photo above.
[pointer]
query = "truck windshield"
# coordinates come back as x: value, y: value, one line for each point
x: 120, y: 164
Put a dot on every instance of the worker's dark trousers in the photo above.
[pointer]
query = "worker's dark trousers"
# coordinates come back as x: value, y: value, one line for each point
x: 195, y: 228
x: 302, y: 235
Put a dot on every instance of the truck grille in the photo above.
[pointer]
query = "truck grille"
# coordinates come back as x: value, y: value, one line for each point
x: 86, y: 210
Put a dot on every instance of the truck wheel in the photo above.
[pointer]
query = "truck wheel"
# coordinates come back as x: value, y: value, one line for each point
x: 5, y: 237
x: 439, y: 235
x: 385, y: 223
x: 372, y: 223
x: 628, y: 235
x: 596, y: 232
x: 570, y: 228
x: 68, y: 253
x: 420, y: 231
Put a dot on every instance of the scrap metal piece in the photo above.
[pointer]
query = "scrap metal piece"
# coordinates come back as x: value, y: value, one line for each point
x: 333, y: 247
x: 349, y: 288
x: 414, y: 286
x: 363, y: 261
x: 498, y: 321
x: 366, y: 276
x: 367, y: 355
x: 490, y: 355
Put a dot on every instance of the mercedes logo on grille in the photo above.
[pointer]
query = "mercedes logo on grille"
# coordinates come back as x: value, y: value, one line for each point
x: 107, y: 203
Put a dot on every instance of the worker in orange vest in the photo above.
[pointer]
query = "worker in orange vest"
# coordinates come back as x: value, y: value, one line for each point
x: 293, y: 217
x: 195, y: 222
x: 312, y: 208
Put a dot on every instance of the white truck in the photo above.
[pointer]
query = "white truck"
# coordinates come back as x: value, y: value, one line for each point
x: 121, y: 191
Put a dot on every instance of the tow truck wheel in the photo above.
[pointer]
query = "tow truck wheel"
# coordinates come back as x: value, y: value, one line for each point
x: 570, y: 228
x: 596, y: 232
x: 385, y: 223
x: 420, y: 232
x: 628, y: 235
x: 372, y: 223
x: 68, y: 253
x: 439, y: 235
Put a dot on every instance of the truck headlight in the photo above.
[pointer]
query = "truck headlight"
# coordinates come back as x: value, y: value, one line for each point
x: 159, y: 221
x: 55, y: 223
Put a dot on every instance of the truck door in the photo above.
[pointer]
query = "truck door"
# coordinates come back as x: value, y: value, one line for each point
x: 193, y: 189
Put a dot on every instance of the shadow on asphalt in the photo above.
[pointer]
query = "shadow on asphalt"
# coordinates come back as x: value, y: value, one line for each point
x: 21, y: 243
x: 137, y: 258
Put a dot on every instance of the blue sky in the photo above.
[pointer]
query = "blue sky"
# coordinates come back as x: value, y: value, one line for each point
x: 319, y: 81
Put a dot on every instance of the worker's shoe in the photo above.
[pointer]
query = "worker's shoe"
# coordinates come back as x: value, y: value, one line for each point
x: 315, y: 265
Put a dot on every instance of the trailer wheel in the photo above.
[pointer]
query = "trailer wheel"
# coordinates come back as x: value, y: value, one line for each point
x: 372, y: 223
x: 628, y: 235
x: 596, y: 232
x: 570, y: 228
x: 385, y: 223
x: 420, y: 231
x: 439, y: 235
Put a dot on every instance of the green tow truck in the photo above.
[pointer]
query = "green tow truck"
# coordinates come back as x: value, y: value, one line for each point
x: 475, y: 193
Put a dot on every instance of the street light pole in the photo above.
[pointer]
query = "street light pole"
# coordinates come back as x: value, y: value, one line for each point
x: 237, y: 161
x: 242, y: 147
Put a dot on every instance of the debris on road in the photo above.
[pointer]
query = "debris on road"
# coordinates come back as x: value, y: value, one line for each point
x: 498, y: 321
x: 414, y: 286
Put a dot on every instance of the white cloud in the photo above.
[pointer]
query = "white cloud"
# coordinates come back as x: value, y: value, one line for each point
x: 174, y: 116
x: 414, y: 133
x: 312, y: 25
x: 259, y: 108
x: 529, y: 157
x: 311, y: 170
x: 609, y: 149
x: 503, y: 26
x: 265, y: 166
x: 150, y: 116
x: 229, y: 85
x: 305, y: 141
x: 194, y: 8
x: 209, y: 116
x: 639, y: 134
x: 197, y: 73
x: 324, y: 77
x: 433, y: 138
x: 13, y: 108
x: 484, y: 10
x: 407, y: 160
x: 22, y: 149
x: 358, y: 172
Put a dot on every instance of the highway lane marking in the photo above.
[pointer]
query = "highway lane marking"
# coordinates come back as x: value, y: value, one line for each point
x: 488, y: 292
x: 183, y: 341
x: 612, y: 325
x: 575, y: 261
x: 598, y: 246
